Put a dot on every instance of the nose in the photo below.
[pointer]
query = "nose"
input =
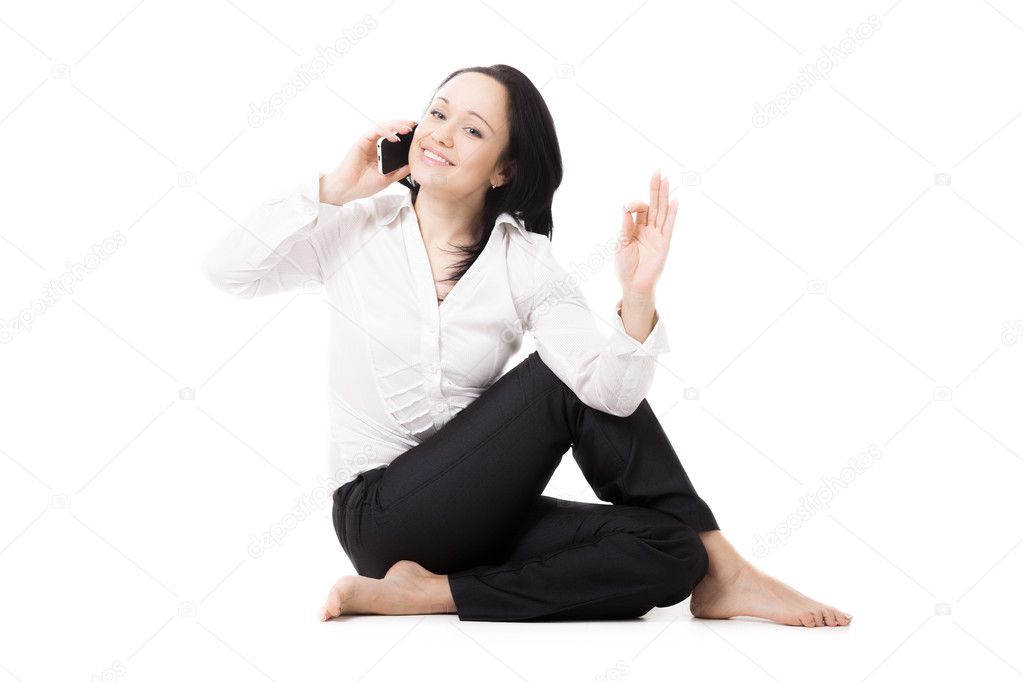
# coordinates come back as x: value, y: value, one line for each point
x: 441, y: 134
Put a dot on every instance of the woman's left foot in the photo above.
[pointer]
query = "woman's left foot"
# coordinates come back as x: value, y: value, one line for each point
x: 406, y: 588
x: 749, y: 591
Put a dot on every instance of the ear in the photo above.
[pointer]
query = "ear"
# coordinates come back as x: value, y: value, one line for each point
x: 508, y: 172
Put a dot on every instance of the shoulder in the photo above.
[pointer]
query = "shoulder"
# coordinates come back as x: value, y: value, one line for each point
x: 383, y: 209
x: 518, y: 238
x: 534, y: 272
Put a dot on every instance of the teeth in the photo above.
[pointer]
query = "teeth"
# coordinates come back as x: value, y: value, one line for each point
x: 431, y: 155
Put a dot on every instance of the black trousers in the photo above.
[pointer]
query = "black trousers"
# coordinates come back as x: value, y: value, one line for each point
x: 468, y: 503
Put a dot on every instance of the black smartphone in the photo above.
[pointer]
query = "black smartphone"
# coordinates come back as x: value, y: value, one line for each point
x: 393, y: 155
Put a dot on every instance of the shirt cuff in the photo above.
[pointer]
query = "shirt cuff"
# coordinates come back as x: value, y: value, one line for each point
x: 656, y: 341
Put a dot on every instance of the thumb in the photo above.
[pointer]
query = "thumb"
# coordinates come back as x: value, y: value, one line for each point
x: 628, y: 231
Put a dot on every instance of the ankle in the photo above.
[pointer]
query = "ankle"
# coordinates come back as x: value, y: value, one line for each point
x: 439, y: 591
x: 724, y: 562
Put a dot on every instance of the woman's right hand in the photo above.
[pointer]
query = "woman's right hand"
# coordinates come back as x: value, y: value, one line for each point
x: 357, y: 175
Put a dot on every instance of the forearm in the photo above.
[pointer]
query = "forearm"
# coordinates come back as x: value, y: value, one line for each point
x: 333, y: 191
x: 639, y: 313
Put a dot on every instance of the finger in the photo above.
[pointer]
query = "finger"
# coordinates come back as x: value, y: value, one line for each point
x: 628, y: 227
x: 655, y: 187
x: 642, y: 217
x: 381, y: 131
x: 391, y: 129
x: 662, y: 205
x: 398, y: 124
x: 641, y: 210
x: 669, y: 222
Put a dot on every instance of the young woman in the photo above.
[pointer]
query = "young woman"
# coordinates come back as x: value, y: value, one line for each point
x: 441, y: 457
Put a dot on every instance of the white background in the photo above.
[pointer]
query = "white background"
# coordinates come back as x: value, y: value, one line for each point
x: 828, y: 293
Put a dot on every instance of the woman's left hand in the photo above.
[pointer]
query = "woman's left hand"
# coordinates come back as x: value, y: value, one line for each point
x: 643, y: 242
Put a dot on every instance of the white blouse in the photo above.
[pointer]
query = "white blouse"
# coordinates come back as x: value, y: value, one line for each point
x: 402, y: 365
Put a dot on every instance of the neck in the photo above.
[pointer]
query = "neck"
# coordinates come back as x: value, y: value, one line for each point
x: 444, y: 221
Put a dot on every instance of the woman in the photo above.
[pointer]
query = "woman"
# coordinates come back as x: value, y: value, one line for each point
x: 441, y: 458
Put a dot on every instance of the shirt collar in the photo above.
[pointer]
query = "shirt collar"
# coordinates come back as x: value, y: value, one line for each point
x: 390, y: 206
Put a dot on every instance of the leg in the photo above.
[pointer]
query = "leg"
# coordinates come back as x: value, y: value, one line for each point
x: 450, y: 502
x: 630, y: 460
x: 574, y: 560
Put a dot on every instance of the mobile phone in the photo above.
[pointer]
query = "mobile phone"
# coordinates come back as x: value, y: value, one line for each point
x: 393, y: 155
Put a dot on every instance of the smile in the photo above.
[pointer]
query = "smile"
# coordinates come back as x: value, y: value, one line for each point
x: 435, y: 159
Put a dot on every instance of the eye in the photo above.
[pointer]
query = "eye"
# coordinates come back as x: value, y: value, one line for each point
x: 474, y: 132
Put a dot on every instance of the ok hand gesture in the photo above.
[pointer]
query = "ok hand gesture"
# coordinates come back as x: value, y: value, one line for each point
x: 643, y: 241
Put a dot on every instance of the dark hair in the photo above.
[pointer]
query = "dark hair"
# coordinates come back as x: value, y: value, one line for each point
x: 533, y: 145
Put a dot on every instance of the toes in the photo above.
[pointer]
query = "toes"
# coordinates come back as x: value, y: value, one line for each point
x: 333, y: 606
x: 830, y: 618
x: 812, y: 618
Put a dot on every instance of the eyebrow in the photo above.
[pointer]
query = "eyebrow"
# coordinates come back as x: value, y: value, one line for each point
x: 471, y: 112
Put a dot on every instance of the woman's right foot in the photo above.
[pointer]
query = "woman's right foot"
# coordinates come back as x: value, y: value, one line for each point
x: 749, y: 591
x: 407, y: 588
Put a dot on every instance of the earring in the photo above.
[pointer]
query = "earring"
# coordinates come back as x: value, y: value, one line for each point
x: 493, y: 187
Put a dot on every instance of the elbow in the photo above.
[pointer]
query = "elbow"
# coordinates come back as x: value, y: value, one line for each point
x: 625, y: 410
x: 222, y: 279
x: 620, y: 406
x: 627, y: 402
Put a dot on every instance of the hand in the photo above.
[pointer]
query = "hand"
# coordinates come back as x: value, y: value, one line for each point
x: 643, y: 242
x: 357, y: 175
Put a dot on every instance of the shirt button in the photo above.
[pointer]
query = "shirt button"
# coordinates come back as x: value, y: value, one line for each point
x: 432, y: 368
x: 439, y: 407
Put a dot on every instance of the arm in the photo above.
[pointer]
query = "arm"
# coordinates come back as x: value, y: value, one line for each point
x: 613, y: 374
x: 289, y: 240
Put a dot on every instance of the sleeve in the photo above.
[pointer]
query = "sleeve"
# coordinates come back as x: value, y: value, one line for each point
x: 290, y: 241
x: 612, y: 374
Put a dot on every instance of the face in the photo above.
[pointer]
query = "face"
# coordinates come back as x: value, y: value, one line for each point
x: 466, y: 123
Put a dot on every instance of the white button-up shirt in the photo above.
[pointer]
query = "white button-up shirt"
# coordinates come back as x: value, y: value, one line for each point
x: 402, y: 365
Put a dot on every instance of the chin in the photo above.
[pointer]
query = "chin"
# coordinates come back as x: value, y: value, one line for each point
x: 436, y: 181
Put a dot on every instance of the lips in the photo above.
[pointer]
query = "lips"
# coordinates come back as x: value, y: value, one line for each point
x: 433, y: 150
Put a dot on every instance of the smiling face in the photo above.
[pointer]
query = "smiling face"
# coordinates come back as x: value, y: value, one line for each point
x: 466, y: 124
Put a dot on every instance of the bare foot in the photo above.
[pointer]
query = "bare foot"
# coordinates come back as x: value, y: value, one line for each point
x: 406, y: 588
x: 749, y: 591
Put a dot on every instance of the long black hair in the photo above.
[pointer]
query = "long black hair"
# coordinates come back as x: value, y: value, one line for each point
x: 533, y: 145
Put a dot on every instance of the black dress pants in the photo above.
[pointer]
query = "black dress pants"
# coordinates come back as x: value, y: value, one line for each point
x: 468, y: 503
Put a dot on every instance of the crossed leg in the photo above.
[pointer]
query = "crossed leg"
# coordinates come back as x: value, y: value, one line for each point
x: 458, y: 523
